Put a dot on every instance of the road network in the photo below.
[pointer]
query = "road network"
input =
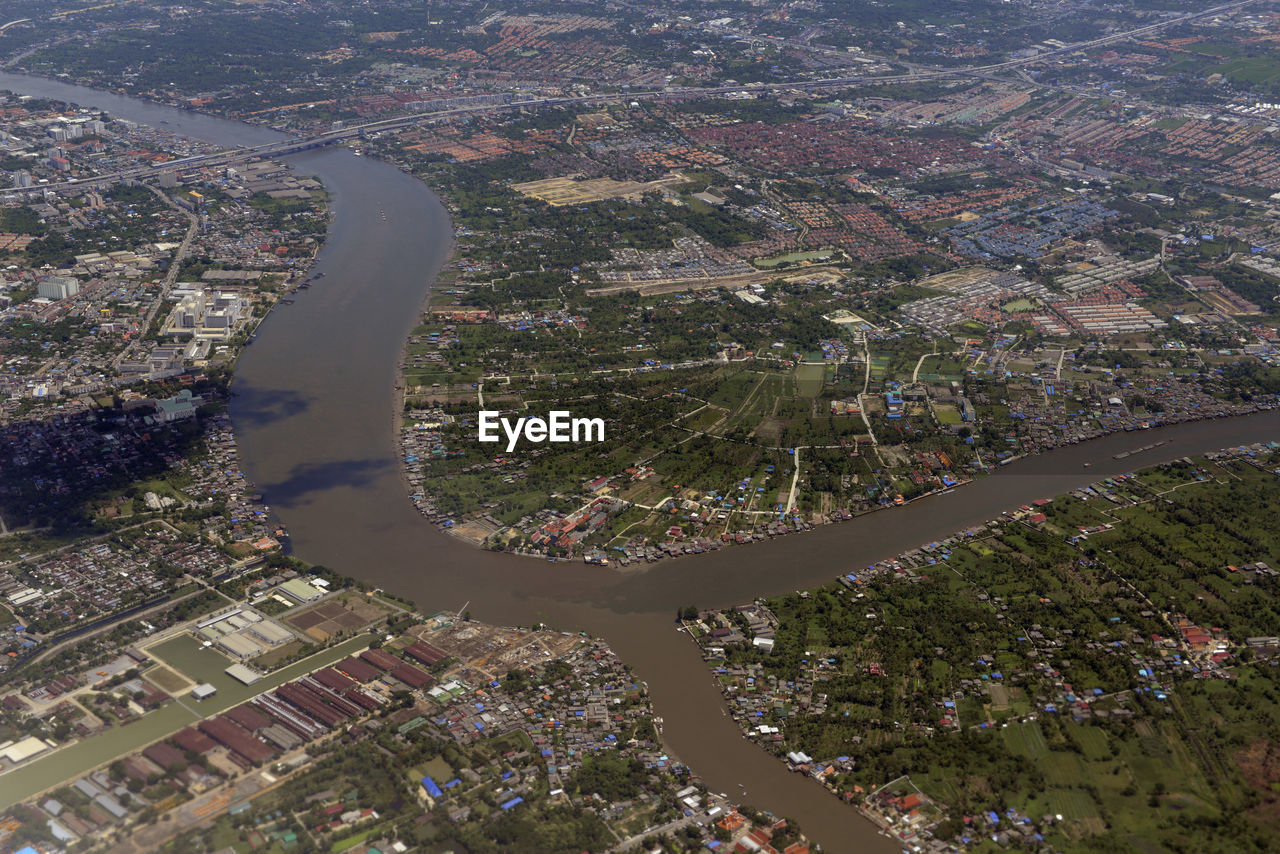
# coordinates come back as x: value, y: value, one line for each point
x: 449, y: 109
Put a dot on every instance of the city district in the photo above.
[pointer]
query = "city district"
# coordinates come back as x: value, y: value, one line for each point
x: 784, y: 264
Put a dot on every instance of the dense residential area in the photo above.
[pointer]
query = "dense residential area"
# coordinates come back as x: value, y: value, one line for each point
x: 518, y: 737
x: 705, y: 303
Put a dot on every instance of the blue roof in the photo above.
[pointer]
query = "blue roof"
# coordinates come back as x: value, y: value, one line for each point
x: 513, y: 802
x: 432, y: 789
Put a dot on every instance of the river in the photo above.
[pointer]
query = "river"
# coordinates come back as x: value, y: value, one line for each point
x: 316, y: 424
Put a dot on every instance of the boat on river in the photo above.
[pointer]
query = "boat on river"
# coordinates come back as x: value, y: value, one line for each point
x: 1125, y: 454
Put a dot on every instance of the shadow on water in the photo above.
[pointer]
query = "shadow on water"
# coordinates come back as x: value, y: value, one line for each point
x: 329, y: 464
x: 257, y: 407
x: 307, y: 479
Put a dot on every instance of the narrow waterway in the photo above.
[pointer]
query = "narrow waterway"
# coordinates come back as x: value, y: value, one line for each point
x: 316, y: 424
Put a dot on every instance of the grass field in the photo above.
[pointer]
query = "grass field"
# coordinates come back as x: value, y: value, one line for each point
x: 792, y: 258
x: 355, y: 839
x: 759, y: 401
x: 272, y: 657
x: 437, y: 769
x: 166, y: 679
x: 733, y: 388
x: 947, y: 414
x: 810, y: 378
x: 200, y: 663
x: 1254, y: 71
x: 1072, y: 804
x: 1026, y: 739
x: 1063, y: 769
x: 879, y: 366
x: 1093, y: 742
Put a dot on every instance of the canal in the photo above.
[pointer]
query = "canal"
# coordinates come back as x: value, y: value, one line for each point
x: 316, y: 421
x: 80, y: 757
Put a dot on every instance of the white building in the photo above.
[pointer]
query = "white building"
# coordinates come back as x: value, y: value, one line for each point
x: 188, y: 314
x: 207, y: 315
x: 203, y: 691
x: 58, y: 287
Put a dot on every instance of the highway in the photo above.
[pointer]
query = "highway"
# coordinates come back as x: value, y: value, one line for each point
x: 293, y: 145
x: 175, y: 267
x: 979, y: 70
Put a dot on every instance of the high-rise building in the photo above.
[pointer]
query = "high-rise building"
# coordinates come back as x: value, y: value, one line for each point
x: 188, y: 314
x: 58, y: 287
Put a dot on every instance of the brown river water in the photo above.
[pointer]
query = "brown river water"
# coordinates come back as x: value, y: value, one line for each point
x: 315, y: 416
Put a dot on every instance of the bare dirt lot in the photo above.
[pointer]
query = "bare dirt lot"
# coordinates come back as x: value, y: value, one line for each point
x: 488, y: 652
x: 344, y: 614
x: 570, y: 190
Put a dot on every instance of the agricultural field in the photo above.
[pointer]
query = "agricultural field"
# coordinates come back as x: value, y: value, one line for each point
x: 1028, y: 668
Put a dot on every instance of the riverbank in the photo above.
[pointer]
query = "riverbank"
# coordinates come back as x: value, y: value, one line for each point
x: 699, y: 450
x: 311, y: 420
x: 692, y: 546
x: 1064, y: 620
x: 402, y: 387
